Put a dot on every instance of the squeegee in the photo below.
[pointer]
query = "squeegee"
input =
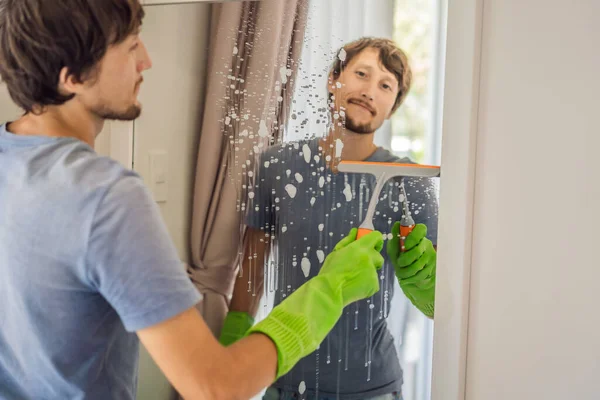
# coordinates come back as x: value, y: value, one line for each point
x: 383, y: 172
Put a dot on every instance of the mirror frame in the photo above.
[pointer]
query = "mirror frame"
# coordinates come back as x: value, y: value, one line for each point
x: 459, y: 147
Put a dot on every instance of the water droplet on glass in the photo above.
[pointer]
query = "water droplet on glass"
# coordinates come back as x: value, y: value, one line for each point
x: 305, y: 265
x: 348, y: 192
x: 320, y: 255
x: 262, y: 130
x: 291, y: 190
x: 302, y: 387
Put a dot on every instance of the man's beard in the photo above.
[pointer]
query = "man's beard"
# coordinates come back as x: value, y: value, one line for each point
x: 105, y: 113
x: 361, y: 129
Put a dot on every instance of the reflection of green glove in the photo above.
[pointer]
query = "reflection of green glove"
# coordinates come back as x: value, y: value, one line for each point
x: 302, y: 321
x: 235, y: 326
x: 415, y: 267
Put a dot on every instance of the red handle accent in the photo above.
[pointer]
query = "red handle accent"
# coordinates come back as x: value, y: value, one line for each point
x: 362, y: 232
x: 404, y: 231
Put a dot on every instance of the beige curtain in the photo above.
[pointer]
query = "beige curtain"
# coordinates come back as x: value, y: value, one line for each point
x: 255, y: 47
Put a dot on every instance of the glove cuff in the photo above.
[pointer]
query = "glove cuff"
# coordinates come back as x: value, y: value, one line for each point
x: 300, y: 323
x: 427, y: 309
x: 290, y: 334
x: 235, y: 326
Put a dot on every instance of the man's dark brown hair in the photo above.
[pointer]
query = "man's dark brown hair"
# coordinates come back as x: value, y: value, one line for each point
x: 391, y: 57
x: 40, y: 37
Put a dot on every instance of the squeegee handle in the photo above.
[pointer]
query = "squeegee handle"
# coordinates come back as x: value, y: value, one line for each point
x: 404, y: 231
x: 362, y: 232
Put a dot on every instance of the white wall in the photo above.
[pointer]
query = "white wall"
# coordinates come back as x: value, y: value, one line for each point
x: 172, y: 96
x: 534, y: 318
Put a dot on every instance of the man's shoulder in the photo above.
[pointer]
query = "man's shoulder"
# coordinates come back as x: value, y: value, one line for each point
x: 291, y: 149
x: 83, y: 175
x: 96, y: 168
x: 384, y: 155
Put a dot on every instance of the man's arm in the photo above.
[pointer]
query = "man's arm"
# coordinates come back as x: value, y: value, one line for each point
x: 248, y: 288
x: 200, y: 368
x: 415, y: 265
x: 256, y: 251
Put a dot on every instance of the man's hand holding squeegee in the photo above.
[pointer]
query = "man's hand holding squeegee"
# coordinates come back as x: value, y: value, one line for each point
x: 410, y: 251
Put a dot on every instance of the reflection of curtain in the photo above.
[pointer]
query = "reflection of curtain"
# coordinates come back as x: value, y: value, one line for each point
x: 251, y: 70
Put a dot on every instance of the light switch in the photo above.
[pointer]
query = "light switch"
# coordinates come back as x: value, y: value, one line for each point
x: 158, y: 162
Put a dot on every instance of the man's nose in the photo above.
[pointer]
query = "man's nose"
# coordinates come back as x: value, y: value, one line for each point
x: 145, y: 61
x: 368, y: 92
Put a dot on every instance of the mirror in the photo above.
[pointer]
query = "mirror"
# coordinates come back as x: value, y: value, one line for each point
x: 284, y: 155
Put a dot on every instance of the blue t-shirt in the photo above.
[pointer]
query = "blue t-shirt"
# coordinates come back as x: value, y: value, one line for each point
x: 309, y: 209
x: 85, y: 261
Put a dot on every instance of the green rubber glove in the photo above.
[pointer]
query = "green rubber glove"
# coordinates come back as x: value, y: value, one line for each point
x: 415, y: 267
x: 302, y: 321
x: 235, y: 326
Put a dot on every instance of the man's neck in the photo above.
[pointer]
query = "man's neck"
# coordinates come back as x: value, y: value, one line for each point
x: 354, y: 146
x: 59, y: 121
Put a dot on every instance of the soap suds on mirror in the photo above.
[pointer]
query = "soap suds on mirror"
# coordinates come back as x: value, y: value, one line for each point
x: 263, y: 131
x: 348, y: 192
x: 321, y: 255
x: 339, y: 145
x: 305, y: 265
x: 291, y: 190
x: 302, y: 387
x: 307, y: 153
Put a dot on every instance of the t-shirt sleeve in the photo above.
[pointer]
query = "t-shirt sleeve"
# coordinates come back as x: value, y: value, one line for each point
x: 260, y: 213
x: 422, y: 196
x: 131, y: 260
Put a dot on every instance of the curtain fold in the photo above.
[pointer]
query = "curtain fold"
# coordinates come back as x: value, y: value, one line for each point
x: 254, y: 51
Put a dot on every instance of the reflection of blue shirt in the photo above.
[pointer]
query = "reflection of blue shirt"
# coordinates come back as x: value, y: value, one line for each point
x: 85, y: 260
x: 309, y: 210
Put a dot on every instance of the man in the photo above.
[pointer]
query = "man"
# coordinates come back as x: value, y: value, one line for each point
x: 358, y: 360
x: 87, y: 265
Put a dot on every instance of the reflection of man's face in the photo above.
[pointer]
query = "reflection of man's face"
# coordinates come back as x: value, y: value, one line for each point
x: 365, y: 91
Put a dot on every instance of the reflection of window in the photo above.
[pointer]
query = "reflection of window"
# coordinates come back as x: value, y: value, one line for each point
x: 418, y: 30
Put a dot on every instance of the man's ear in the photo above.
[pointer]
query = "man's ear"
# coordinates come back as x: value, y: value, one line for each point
x: 67, y: 83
